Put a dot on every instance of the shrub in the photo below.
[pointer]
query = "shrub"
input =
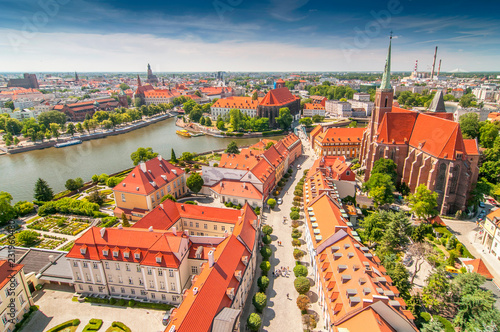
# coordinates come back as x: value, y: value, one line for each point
x: 271, y: 202
x: 263, y: 283
x: 266, y: 252
x: 302, y: 285
x: 290, y: 171
x: 103, y: 178
x: 93, y: 325
x: 448, y: 326
x: 268, y: 230
x: 112, y: 301
x: 265, y: 266
x: 121, y: 326
x: 293, y: 208
x: 294, y: 215
x: 426, y: 316
x: 267, y: 239
x: 296, y: 234
x: 259, y: 301
x: 298, y: 254
x: 295, y: 203
x: 122, y: 302
x: 300, y: 271
x: 303, y: 302
x: 296, y: 243
x: 295, y: 224
x: 131, y: 303
x: 61, y: 327
x: 254, y: 321
x: 298, y: 192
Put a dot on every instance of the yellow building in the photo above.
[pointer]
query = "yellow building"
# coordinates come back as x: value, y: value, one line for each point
x: 337, y: 142
x: 15, y: 298
x: 144, y: 187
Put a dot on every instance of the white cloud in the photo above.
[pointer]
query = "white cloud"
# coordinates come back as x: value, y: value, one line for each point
x: 130, y: 52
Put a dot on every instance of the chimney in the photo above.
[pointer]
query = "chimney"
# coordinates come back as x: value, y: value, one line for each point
x: 161, y: 205
x: 160, y: 158
x: 120, y: 226
x: 195, y: 290
x: 182, y: 206
x: 51, y: 258
x: 186, y: 232
x: 174, y: 230
x: 150, y: 229
x: 434, y: 63
x: 103, y: 231
x: 211, y: 260
x: 142, y: 165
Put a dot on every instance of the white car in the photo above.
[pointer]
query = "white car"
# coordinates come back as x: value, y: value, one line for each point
x: 280, y: 201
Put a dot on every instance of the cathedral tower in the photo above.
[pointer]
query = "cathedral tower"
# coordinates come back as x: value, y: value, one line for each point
x: 383, y: 97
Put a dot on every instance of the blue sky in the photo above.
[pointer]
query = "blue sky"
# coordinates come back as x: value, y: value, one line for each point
x: 244, y: 35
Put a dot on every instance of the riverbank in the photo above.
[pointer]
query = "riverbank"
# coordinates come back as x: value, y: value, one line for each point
x: 198, y: 129
x: 87, y: 137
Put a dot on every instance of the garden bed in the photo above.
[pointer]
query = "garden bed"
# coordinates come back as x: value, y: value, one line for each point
x: 61, y: 225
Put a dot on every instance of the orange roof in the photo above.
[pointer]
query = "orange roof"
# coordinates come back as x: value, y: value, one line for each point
x: 278, y: 97
x: 148, y: 177
x: 344, y: 135
x: 161, y: 93
x: 494, y: 116
x: 263, y: 170
x: 471, y: 147
x: 7, y: 271
x: 443, y: 141
x: 245, y: 160
x: 238, y: 189
x: 261, y: 145
x: 163, y: 217
x: 479, y: 267
x: 311, y: 106
x: 216, y: 90
x: 273, y: 156
x: 396, y: 128
x: 290, y: 140
x: 149, y: 243
x: 237, y: 103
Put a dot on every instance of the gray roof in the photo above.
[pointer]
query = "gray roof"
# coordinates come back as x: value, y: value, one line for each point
x: 225, y: 320
x: 437, y: 104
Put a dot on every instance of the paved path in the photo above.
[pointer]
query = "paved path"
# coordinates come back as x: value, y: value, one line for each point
x: 282, y: 313
x: 56, y: 307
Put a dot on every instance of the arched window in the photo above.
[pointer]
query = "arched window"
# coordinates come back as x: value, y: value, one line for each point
x: 386, y: 101
x: 441, y: 177
x: 454, y: 179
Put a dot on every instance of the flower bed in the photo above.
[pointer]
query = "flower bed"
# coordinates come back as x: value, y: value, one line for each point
x: 61, y: 225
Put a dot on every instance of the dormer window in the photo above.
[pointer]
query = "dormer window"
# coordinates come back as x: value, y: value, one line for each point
x: 137, y: 255
x: 115, y: 253
x: 126, y: 254
x: 105, y: 252
x: 158, y: 259
x: 83, y: 250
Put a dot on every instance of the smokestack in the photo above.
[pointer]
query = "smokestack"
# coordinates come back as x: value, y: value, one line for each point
x: 416, y: 66
x: 211, y: 260
x: 434, y: 63
x: 439, y: 68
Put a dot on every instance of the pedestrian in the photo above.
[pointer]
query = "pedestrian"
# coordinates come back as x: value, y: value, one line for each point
x: 288, y: 296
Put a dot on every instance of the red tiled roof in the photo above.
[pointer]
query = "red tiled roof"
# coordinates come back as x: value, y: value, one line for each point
x: 396, y: 128
x: 149, y: 243
x: 158, y: 170
x: 479, y: 267
x: 237, y: 189
x: 246, y: 159
x: 163, y: 217
x: 289, y: 140
x: 262, y: 170
x: 278, y: 97
x: 237, y: 102
x: 7, y: 271
x: 471, y: 147
x: 311, y: 106
x: 345, y: 135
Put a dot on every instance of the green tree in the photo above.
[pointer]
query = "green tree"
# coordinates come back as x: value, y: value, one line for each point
x: 263, y: 283
x: 173, y: 158
x: 285, y: 118
x: 168, y: 196
x: 43, y: 192
x: 317, y: 118
x: 71, y: 129
x: 113, y: 181
x: 397, y: 232
x: 300, y: 271
x: 294, y: 215
x: 27, y: 237
x: 266, y: 229
x: 469, y: 124
x: 143, y: 154
x: 423, y: 202
x: 400, y: 276
x: 54, y: 128
x: 265, y: 266
x: 254, y: 322
x: 467, y: 100
x: 372, y: 227
x: 95, y: 178
x: 23, y: 208
x: 353, y: 124
x: 436, y: 295
x: 71, y: 185
x: 195, y: 182
x: 7, y: 211
x: 196, y: 114
x: 259, y: 301
x: 9, y: 104
x: 188, y: 106
x: 124, y: 86
x: 432, y: 326
x: 187, y: 156
x: 46, y: 118
x: 488, y: 132
x: 271, y: 202
x: 306, y: 122
x: 96, y: 197
x: 380, y: 188
x: 302, y: 285
x: 208, y: 122
x: 125, y: 221
x: 202, y: 121
x: 386, y: 166
x: 232, y: 147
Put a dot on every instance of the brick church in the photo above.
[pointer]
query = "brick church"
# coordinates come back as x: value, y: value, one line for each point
x: 428, y: 148
x: 281, y: 97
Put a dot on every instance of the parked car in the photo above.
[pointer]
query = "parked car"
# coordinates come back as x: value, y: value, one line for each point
x: 166, y: 317
x: 481, y: 204
x: 280, y: 201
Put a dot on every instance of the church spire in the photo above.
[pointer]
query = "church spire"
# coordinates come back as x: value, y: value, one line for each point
x: 139, y: 81
x: 386, y: 78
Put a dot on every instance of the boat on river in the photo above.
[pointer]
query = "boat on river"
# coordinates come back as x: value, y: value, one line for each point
x: 183, y: 132
x: 68, y: 143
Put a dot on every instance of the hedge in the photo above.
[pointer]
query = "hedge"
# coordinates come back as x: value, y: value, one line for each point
x: 60, y: 327
x: 94, y: 325
x: 272, y: 132
x: 121, y: 326
x: 70, y: 206
x: 145, y: 305
x: 448, y: 326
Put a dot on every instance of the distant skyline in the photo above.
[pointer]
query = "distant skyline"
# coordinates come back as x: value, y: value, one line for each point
x: 244, y: 35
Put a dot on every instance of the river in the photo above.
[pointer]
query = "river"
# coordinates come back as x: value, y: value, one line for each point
x: 19, y: 172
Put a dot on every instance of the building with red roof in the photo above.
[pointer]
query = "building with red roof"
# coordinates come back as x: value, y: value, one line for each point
x: 275, y: 99
x: 428, y: 148
x: 157, y: 258
x: 337, y: 141
x: 246, y: 105
x: 78, y: 111
x: 15, y: 296
x: 312, y: 109
x: 476, y: 266
x: 144, y: 187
